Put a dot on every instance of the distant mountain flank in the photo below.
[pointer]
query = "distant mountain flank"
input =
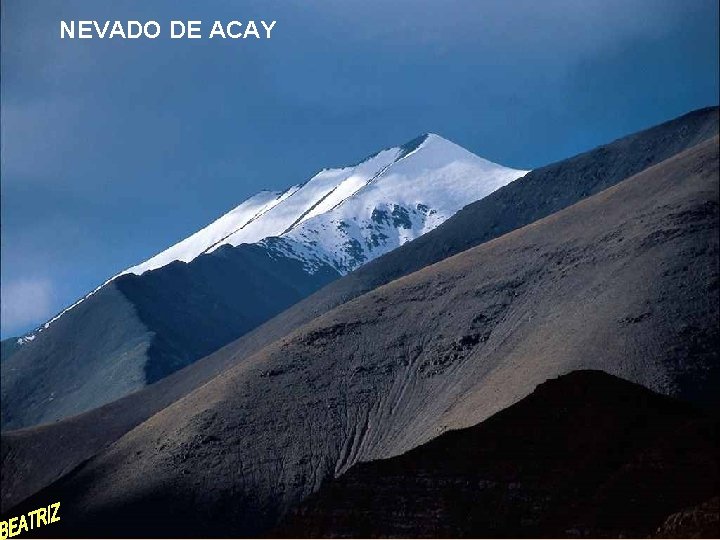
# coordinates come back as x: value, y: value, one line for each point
x: 261, y: 257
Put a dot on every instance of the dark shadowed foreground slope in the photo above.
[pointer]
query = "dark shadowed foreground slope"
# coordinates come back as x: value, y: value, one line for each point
x: 587, y: 454
x: 625, y: 281
x: 538, y: 194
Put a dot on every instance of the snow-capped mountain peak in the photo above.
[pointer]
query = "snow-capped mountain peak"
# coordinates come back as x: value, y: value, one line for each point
x: 350, y: 215
x: 426, y: 184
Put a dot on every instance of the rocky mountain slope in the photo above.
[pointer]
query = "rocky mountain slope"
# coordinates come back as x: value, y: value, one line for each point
x: 22, y: 450
x: 586, y: 454
x: 266, y: 254
x: 136, y: 330
x: 625, y: 281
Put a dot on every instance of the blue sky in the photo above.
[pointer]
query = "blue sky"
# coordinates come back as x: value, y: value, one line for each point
x: 114, y: 150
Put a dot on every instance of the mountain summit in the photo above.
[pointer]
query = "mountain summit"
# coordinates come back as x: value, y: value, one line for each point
x: 350, y: 215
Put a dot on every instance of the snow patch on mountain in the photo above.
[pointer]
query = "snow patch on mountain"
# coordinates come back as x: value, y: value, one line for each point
x: 409, y: 197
